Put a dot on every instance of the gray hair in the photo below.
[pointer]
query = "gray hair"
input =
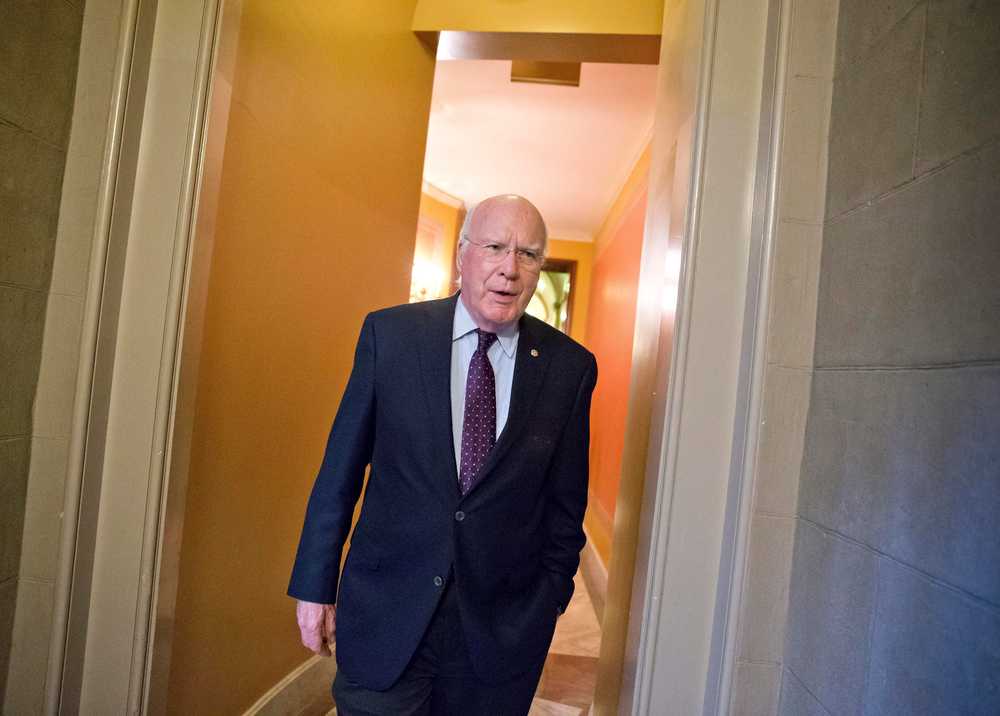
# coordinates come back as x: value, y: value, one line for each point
x: 463, y: 233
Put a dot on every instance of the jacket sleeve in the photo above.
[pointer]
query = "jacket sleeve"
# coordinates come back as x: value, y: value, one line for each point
x: 567, y: 493
x: 338, y: 483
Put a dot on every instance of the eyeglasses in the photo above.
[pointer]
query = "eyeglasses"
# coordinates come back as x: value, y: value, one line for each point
x: 496, y: 252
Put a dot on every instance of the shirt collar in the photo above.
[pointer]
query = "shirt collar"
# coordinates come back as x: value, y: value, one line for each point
x: 506, y: 337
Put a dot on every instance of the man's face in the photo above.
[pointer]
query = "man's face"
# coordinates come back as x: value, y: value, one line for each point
x: 496, y: 291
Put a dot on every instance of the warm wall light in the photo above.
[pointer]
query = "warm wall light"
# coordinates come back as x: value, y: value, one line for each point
x: 546, y: 73
x: 672, y: 283
x: 427, y: 281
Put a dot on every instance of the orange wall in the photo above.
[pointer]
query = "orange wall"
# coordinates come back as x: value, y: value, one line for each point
x: 609, y: 335
x: 317, y: 213
x: 583, y: 253
x: 434, y: 254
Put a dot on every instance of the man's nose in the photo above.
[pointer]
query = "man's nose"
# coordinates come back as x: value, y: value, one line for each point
x: 509, y: 267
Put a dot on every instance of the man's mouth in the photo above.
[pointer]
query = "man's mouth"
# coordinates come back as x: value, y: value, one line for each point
x: 503, y: 295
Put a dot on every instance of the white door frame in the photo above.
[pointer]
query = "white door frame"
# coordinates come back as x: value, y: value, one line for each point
x: 691, y: 548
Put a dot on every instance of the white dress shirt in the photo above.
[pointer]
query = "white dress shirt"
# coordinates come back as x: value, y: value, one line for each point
x: 501, y: 354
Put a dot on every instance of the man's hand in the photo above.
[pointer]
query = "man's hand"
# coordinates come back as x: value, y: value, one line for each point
x: 318, y: 624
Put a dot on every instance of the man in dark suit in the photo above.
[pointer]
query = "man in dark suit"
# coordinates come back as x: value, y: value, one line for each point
x: 474, y: 419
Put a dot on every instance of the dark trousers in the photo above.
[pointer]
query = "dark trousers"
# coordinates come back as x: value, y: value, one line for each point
x: 439, y: 680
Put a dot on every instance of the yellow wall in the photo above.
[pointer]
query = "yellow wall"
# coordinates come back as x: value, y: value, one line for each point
x: 626, y: 17
x: 434, y: 264
x: 583, y: 253
x: 317, y: 212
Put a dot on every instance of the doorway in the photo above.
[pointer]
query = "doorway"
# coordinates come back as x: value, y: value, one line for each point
x: 579, y: 149
x: 554, y: 297
x: 678, y: 171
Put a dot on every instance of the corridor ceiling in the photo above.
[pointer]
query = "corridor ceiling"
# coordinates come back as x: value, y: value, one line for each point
x: 568, y: 149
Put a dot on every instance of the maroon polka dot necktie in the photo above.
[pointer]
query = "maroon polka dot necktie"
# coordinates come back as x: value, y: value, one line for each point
x: 479, y: 424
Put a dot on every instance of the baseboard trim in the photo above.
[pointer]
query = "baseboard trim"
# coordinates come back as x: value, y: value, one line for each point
x: 595, y: 577
x: 304, y: 691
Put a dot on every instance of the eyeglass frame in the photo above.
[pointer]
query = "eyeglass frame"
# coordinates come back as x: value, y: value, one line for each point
x: 520, y: 254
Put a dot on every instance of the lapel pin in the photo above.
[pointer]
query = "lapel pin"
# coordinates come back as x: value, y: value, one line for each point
x: 534, y: 352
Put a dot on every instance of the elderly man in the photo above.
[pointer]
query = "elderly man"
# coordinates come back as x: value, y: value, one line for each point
x: 474, y: 419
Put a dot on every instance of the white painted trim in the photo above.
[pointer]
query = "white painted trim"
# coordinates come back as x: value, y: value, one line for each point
x: 167, y: 375
x: 135, y: 357
x: 572, y: 235
x: 441, y: 195
x: 663, y: 455
x: 684, y: 600
x: 647, y: 140
x: 734, y: 566
x: 88, y: 350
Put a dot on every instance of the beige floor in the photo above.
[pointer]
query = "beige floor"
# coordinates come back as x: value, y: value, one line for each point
x: 567, y: 684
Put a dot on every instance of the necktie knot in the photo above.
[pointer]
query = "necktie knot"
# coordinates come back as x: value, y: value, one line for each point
x: 485, y: 339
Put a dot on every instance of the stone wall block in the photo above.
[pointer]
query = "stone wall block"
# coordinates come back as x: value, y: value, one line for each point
x: 934, y: 650
x: 765, y: 599
x: 795, y: 288
x: 960, y: 106
x: 863, y: 26
x: 39, y: 45
x: 912, y: 279
x: 29, y: 653
x: 60, y: 360
x: 755, y: 689
x: 873, y: 120
x: 802, y: 184
x: 796, y: 701
x: 14, y: 456
x: 831, y: 607
x: 811, y: 46
x: 907, y: 462
x: 8, y: 598
x: 30, y: 178
x: 22, y: 321
x: 43, y: 509
x: 782, y: 436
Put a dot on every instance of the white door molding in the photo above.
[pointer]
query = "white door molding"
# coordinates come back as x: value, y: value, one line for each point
x: 692, y: 531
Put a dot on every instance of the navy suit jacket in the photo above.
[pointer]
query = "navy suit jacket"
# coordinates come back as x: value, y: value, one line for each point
x: 512, y: 542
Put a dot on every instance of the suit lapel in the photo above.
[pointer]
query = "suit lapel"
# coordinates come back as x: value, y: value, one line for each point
x: 435, y: 365
x: 529, y: 372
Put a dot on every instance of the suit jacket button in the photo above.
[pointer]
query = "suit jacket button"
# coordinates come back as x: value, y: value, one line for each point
x: 438, y: 581
x: 459, y: 516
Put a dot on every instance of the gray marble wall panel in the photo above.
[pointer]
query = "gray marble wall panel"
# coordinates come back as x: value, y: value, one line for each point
x: 22, y: 321
x: 908, y: 462
x: 8, y: 598
x: 755, y: 689
x: 39, y: 44
x: 14, y: 454
x: 832, y: 603
x: 30, y: 178
x: 762, y: 628
x: 863, y: 25
x: 900, y: 483
x: 913, y: 279
x: 960, y: 106
x: 873, y: 118
x: 934, y: 650
x: 796, y: 701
